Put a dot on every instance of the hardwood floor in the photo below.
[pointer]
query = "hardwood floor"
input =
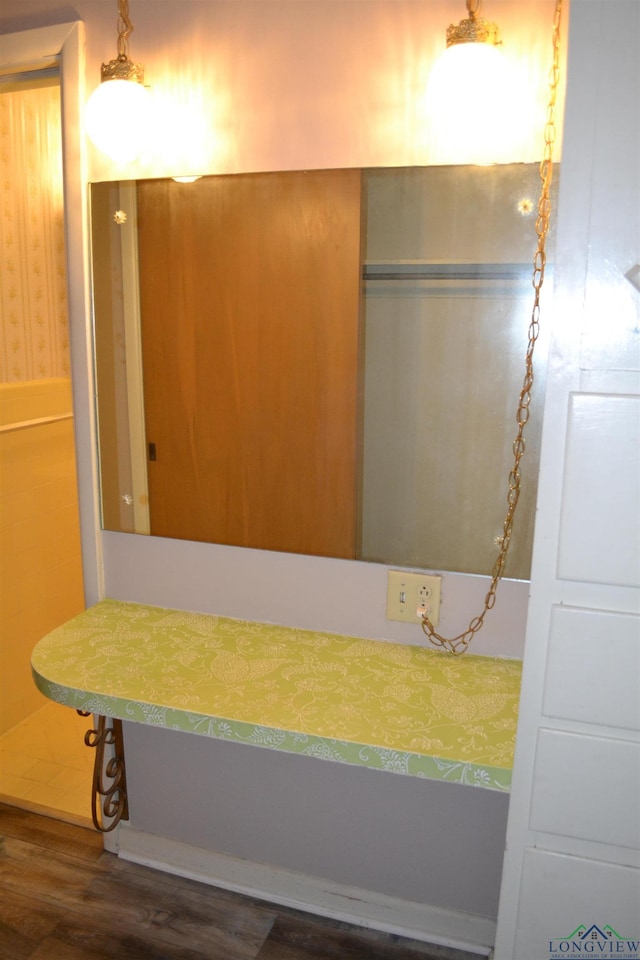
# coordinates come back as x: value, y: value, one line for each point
x: 62, y: 897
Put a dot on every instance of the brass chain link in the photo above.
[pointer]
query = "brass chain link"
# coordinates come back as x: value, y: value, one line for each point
x: 458, y: 645
x: 125, y: 28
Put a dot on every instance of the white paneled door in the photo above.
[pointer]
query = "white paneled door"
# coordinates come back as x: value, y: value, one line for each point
x: 571, y: 881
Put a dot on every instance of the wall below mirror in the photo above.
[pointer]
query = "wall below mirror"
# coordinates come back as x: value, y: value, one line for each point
x: 321, y: 362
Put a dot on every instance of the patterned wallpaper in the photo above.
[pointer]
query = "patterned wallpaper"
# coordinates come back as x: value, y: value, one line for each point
x: 34, y: 338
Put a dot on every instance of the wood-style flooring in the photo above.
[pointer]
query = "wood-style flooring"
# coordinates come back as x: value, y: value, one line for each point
x: 62, y: 897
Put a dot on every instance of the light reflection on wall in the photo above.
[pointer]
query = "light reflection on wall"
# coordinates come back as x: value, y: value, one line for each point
x: 190, y: 131
x: 245, y: 87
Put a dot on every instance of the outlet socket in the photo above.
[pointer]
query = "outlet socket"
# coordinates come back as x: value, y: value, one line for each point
x: 409, y: 594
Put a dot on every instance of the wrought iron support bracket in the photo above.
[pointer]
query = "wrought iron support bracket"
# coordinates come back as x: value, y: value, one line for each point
x: 109, y: 787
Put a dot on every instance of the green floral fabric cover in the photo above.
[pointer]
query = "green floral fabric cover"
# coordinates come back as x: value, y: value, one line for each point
x: 390, y: 706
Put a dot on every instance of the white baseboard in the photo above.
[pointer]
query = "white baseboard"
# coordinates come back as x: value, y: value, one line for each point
x: 314, y: 895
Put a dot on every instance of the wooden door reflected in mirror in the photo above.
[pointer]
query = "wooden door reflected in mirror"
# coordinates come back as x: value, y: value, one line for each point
x: 250, y: 333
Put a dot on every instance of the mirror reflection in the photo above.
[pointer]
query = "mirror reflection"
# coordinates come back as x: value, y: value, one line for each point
x: 321, y: 362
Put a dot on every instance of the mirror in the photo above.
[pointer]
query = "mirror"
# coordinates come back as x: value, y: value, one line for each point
x: 324, y: 362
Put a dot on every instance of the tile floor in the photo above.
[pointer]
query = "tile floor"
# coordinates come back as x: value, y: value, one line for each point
x: 45, y: 765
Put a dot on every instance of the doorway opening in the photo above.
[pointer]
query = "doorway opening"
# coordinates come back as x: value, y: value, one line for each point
x: 42, y: 756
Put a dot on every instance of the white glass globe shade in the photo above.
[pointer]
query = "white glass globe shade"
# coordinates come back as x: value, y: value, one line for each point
x: 117, y: 119
x: 470, y: 105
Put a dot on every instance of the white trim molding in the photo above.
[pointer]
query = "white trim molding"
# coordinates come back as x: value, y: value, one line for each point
x: 365, y: 908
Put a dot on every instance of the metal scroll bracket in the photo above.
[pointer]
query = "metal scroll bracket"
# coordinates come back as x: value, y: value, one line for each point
x: 109, y: 788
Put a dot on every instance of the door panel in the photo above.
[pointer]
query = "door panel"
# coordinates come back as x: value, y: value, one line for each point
x: 254, y: 373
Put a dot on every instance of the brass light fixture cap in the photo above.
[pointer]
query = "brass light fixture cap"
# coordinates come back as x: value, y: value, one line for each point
x: 122, y: 69
x: 473, y: 30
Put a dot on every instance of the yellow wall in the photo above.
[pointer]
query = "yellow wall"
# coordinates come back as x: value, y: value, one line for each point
x: 40, y: 564
x: 40, y: 567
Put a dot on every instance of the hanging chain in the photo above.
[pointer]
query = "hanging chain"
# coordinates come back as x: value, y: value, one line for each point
x: 458, y: 645
x: 122, y: 68
x: 125, y: 29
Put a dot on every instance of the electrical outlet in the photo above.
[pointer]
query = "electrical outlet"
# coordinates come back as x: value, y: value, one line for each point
x: 409, y: 595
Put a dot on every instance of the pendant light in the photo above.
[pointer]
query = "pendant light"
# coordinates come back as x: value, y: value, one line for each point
x: 117, y: 112
x: 468, y: 94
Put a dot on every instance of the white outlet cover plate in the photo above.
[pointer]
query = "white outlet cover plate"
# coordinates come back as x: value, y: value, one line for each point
x: 405, y: 592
